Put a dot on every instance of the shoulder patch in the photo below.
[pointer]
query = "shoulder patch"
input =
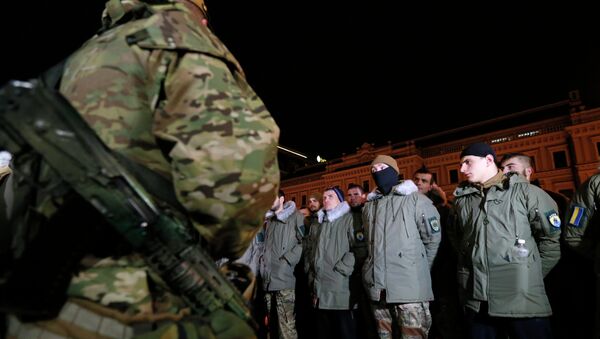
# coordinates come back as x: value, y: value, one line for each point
x: 360, y: 236
x: 553, y: 218
x: 434, y: 223
x: 577, y: 213
x: 260, y: 237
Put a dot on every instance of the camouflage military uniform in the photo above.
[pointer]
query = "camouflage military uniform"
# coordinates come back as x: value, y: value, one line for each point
x: 414, y: 319
x: 159, y: 88
x: 286, y: 316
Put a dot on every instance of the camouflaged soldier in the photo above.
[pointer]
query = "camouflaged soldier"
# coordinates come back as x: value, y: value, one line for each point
x: 160, y: 89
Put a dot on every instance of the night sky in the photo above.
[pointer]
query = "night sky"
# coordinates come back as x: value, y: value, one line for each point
x: 380, y: 68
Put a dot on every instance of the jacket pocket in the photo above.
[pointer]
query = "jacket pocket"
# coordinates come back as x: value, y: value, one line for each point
x: 345, y: 265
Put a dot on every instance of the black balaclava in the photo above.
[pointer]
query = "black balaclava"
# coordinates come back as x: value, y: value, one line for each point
x: 385, y: 179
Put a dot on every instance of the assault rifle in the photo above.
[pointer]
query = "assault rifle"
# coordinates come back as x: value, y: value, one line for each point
x: 36, y: 117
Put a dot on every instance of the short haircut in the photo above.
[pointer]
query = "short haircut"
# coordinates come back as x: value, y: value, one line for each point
x: 281, y: 194
x: 424, y: 170
x: 527, y: 160
x: 353, y: 185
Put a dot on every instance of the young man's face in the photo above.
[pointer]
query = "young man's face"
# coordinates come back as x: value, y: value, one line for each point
x: 514, y: 165
x: 330, y: 200
x: 356, y: 197
x: 313, y: 204
x: 423, y: 182
x: 474, y: 168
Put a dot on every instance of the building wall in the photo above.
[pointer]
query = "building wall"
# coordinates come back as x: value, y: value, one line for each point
x: 565, y: 150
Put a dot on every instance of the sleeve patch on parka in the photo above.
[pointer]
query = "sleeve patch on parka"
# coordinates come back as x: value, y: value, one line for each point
x: 434, y: 223
x: 553, y: 218
x: 577, y: 213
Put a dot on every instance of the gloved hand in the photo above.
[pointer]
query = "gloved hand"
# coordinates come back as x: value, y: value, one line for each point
x: 241, y: 277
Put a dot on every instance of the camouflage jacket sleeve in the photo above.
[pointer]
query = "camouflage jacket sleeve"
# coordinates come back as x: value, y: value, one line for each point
x: 545, y: 226
x: 165, y: 92
x: 223, y: 154
x: 581, y: 212
x: 428, y: 222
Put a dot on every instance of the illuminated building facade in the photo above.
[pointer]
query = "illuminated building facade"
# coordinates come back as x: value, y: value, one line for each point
x: 562, y: 138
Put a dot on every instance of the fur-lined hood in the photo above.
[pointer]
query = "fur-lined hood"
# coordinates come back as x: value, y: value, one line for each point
x: 289, y: 207
x: 406, y: 187
x: 337, y: 212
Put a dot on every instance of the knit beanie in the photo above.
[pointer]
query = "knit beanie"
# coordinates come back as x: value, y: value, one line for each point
x: 478, y: 149
x: 386, y: 159
x: 338, y: 192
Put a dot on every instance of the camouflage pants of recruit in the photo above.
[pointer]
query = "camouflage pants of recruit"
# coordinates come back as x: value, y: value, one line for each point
x: 286, y: 318
x: 413, y: 320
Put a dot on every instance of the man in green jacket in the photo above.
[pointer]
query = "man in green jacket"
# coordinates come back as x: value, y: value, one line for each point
x: 403, y: 234
x: 446, y: 313
x: 332, y: 262
x: 365, y: 323
x: 507, y: 234
x: 283, y: 233
x: 582, y: 231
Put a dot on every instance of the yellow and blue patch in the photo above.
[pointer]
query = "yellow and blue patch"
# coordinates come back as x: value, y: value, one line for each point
x: 577, y: 213
x: 553, y: 218
x: 434, y: 223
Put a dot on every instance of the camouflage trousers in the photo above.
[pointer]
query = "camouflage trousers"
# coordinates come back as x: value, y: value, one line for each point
x: 413, y: 320
x: 77, y: 322
x: 284, y: 305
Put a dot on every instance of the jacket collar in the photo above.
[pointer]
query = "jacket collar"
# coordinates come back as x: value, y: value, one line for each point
x: 337, y: 212
x: 406, y: 187
x: 289, y: 207
x: 506, y: 180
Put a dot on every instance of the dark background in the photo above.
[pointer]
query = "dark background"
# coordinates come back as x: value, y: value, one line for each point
x: 335, y: 74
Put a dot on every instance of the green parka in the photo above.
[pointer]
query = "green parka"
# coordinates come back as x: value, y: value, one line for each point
x: 403, y: 232
x: 582, y: 230
x: 485, y: 229
x: 331, y: 260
